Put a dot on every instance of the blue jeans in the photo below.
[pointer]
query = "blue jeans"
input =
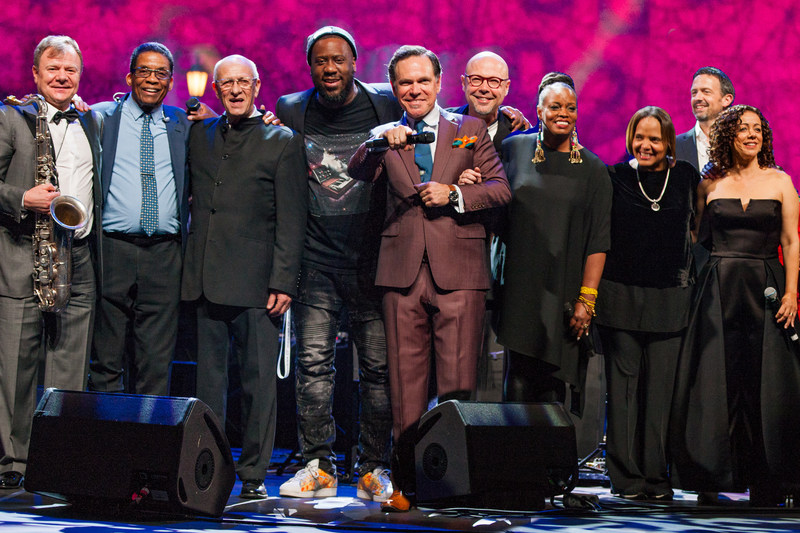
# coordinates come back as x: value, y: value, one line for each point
x: 316, y: 312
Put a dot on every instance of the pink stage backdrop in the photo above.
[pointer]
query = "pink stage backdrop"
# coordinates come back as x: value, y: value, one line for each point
x: 623, y: 54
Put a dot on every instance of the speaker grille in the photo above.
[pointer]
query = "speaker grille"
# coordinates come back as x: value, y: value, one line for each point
x: 204, y: 469
x: 434, y: 462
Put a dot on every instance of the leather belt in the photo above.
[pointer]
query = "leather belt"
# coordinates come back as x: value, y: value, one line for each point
x: 142, y: 240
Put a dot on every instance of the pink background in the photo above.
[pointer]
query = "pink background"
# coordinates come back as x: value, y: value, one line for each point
x: 623, y: 54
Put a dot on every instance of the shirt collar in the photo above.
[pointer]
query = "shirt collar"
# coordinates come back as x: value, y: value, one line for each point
x: 431, y: 119
x: 699, y: 134
x: 136, y: 111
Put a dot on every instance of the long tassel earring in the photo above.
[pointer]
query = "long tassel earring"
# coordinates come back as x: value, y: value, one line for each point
x: 574, y: 150
x: 538, y: 156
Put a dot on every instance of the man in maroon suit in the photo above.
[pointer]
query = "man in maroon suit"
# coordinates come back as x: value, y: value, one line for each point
x: 433, y: 258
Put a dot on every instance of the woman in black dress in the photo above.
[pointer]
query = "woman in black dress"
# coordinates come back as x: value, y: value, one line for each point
x: 736, y: 417
x: 556, y: 242
x: 646, y: 295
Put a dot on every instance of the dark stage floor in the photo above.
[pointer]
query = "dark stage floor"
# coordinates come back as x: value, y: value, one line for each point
x: 24, y: 512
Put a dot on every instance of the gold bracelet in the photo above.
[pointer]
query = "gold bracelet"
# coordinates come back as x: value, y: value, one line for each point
x: 588, y: 290
x: 589, y: 305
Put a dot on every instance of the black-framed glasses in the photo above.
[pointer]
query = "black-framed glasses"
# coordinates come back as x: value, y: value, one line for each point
x: 227, y: 84
x: 144, y: 72
x: 477, y: 81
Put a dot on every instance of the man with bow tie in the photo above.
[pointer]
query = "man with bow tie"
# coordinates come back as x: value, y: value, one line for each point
x: 57, y: 67
x: 433, y: 260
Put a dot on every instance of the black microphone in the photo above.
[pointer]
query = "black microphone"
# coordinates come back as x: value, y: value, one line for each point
x: 425, y: 137
x: 772, y: 299
x: 192, y: 104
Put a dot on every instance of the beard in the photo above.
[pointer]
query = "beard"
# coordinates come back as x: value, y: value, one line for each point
x: 337, y: 98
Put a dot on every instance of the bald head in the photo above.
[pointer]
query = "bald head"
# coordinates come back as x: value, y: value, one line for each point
x: 485, y: 83
x: 236, y: 84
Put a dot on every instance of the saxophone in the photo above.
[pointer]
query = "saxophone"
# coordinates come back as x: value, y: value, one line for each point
x: 53, y: 233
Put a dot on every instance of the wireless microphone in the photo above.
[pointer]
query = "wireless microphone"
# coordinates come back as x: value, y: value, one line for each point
x: 192, y: 104
x: 772, y: 299
x: 425, y: 137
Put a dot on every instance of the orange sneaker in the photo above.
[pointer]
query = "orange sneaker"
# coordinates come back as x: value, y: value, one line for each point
x: 375, y: 485
x: 311, y: 482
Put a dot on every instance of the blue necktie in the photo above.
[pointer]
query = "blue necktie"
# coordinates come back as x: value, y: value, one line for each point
x: 149, y: 218
x: 422, y: 156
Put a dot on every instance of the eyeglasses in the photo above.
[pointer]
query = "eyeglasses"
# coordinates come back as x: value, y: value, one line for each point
x: 227, y: 84
x: 477, y: 81
x: 144, y: 72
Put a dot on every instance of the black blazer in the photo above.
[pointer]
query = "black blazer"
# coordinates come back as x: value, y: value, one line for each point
x: 686, y: 148
x: 248, y: 214
x: 178, y: 127
x: 503, y: 125
x: 291, y: 108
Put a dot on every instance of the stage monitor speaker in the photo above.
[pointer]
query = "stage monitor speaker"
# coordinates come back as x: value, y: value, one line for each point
x: 124, y: 451
x: 495, y: 455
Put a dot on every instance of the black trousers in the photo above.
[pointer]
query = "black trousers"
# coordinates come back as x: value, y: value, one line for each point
x: 140, y: 294
x: 640, y: 372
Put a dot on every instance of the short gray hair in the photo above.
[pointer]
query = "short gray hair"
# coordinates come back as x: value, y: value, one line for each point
x: 60, y: 43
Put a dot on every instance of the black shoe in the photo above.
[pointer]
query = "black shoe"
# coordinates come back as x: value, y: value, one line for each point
x: 660, y: 497
x: 708, y: 498
x: 11, y: 480
x: 253, y: 489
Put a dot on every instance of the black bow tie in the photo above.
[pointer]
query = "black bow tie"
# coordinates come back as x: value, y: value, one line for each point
x: 70, y: 115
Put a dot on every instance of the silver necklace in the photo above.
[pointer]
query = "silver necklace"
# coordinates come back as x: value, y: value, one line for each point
x: 654, y: 205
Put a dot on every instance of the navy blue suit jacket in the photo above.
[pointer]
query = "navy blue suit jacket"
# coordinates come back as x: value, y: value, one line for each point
x: 178, y: 126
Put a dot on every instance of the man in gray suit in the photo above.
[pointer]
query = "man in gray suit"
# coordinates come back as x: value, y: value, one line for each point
x: 57, y: 67
x: 248, y: 222
x: 712, y: 92
x: 142, y: 266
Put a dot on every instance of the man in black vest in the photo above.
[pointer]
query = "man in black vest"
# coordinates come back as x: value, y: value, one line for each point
x: 248, y: 220
x: 341, y: 248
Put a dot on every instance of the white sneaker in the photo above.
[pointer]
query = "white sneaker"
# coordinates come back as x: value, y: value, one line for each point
x: 375, y: 485
x: 310, y: 482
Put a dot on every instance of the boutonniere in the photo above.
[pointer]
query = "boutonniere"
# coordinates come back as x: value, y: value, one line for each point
x: 465, y: 142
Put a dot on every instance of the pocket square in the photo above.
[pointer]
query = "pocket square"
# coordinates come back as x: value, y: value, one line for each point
x: 465, y: 142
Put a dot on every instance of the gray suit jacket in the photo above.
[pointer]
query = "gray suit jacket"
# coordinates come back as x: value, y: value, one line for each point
x: 17, y: 174
x: 178, y: 127
x: 686, y: 148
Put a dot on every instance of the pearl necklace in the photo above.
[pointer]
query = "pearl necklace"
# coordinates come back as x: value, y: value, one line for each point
x: 654, y: 205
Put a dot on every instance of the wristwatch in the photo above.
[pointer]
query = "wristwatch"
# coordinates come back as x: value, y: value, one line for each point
x: 453, y: 195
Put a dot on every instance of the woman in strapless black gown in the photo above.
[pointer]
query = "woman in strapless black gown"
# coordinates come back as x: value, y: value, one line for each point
x: 736, y: 418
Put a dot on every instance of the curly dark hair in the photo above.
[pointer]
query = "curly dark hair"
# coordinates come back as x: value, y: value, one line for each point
x: 722, y: 135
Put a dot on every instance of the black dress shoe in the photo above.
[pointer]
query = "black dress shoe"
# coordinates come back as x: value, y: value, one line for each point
x: 253, y: 489
x: 11, y: 480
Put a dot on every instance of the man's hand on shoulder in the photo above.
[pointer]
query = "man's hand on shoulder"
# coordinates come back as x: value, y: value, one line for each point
x: 80, y: 104
x: 201, y: 113
x: 270, y: 118
x: 518, y: 120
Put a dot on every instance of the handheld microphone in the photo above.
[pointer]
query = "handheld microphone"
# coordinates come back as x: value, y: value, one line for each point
x: 192, y: 104
x: 425, y: 137
x: 772, y: 299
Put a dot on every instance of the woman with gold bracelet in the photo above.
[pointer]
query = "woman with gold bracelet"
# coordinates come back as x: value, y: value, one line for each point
x: 556, y: 240
x: 646, y: 287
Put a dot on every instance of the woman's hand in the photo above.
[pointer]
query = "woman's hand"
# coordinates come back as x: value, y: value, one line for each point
x: 788, y: 310
x: 579, y: 323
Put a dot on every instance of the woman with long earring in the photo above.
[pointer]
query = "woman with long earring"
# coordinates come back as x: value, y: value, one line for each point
x: 735, y: 421
x: 556, y: 242
x: 646, y: 287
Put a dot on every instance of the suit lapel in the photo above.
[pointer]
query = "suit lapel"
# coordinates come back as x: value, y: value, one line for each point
x: 408, y: 159
x: 112, y: 119
x: 444, y: 144
x: 177, y: 148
